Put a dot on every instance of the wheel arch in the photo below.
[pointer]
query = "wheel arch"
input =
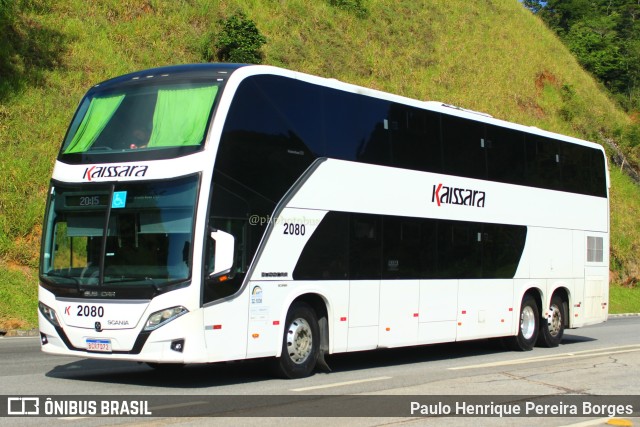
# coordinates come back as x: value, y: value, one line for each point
x: 563, y: 292
x: 536, y: 293
x: 321, y: 306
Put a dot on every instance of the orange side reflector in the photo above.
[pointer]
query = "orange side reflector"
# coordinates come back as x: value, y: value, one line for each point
x: 255, y: 335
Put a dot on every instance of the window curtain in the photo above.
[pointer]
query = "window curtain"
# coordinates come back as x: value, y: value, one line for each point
x: 98, y: 115
x: 181, y: 116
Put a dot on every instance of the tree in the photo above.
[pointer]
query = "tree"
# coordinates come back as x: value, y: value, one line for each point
x: 238, y: 41
x: 604, y: 36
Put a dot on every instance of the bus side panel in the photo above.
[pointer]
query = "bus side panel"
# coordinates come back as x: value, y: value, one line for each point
x: 399, y: 312
x: 225, y: 329
x: 485, y: 308
x: 579, y: 253
x: 438, y: 311
x: 596, y: 295
x: 364, y: 309
x: 554, y: 252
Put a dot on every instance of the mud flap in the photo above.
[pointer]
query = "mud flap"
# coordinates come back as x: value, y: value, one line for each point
x: 323, y: 325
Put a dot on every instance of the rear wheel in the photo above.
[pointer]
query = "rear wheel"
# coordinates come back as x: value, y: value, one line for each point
x: 529, y: 326
x: 552, y: 329
x: 300, y: 343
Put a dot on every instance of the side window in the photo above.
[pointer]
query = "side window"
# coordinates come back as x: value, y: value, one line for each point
x: 597, y: 169
x: 595, y: 251
x: 325, y: 256
x: 502, y: 247
x: 355, y: 127
x: 410, y: 248
x: 505, y: 155
x: 428, y: 249
x: 543, y: 162
x: 459, y: 250
x: 401, y: 248
x: 583, y: 170
x: 415, y: 138
x: 574, y: 161
x: 464, y: 153
x: 232, y: 204
x: 365, y: 247
x: 272, y: 134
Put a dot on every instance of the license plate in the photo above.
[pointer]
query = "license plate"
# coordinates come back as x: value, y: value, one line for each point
x: 101, y: 345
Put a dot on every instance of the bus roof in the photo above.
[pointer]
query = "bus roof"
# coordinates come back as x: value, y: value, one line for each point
x: 177, y: 71
x: 208, y: 70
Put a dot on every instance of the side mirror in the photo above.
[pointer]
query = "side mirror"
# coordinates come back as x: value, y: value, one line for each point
x: 224, y: 255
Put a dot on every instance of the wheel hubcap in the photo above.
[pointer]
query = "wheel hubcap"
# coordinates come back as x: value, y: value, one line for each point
x: 556, y: 321
x: 527, y: 323
x: 299, y: 341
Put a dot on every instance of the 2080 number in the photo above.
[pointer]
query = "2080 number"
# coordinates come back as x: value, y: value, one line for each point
x: 90, y: 311
x: 294, y: 229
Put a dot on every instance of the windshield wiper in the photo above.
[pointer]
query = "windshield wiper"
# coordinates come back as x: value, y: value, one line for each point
x: 147, y: 281
x: 73, y: 280
x: 126, y: 279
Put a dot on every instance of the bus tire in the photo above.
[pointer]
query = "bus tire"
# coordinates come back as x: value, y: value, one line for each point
x: 300, y: 343
x: 551, y: 333
x: 528, y: 327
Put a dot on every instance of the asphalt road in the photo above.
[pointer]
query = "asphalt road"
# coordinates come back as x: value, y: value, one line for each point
x: 597, y: 360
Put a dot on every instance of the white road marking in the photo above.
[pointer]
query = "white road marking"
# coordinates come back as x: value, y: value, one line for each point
x: 574, y: 355
x: 317, y: 387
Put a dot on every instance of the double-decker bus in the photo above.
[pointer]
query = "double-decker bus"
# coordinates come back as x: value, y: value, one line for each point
x: 218, y: 212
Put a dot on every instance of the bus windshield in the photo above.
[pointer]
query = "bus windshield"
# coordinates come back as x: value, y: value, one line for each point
x: 144, y: 115
x: 125, y: 234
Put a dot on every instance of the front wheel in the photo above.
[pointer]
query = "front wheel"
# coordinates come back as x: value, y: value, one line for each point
x: 552, y: 329
x: 300, y: 343
x: 529, y: 326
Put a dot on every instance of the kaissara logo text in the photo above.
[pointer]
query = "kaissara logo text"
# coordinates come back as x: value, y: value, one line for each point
x: 457, y: 196
x: 120, y: 171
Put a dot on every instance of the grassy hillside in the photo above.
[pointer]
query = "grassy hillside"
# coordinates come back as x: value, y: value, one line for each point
x: 489, y: 55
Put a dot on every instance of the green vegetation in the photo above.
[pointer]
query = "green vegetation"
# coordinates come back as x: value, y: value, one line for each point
x: 18, y: 298
x: 354, y: 6
x: 493, y: 56
x: 605, y: 38
x: 239, y: 41
x: 624, y: 299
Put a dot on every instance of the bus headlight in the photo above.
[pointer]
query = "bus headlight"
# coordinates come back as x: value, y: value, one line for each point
x: 163, y: 317
x: 49, y: 313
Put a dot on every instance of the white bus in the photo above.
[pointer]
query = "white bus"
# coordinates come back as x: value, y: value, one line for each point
x: 219, y: 212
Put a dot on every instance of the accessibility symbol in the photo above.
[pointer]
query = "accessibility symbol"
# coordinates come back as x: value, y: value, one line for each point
x: 119, y: 200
